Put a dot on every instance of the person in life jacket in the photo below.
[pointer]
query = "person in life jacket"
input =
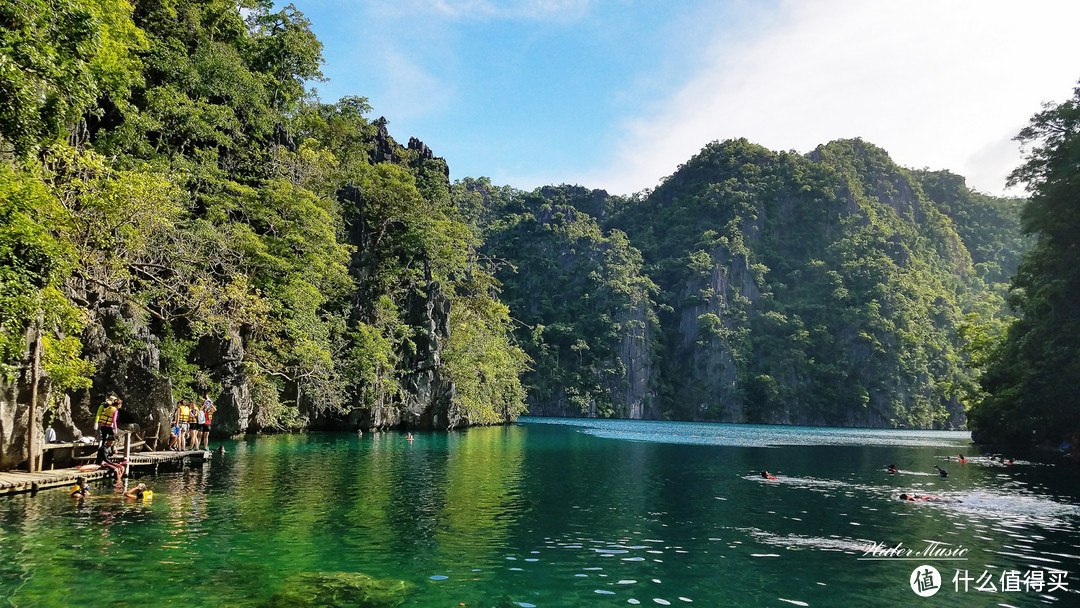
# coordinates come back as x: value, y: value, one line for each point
x: 81, y: 489
x: 193, y: 425
x: 108, y: 402
x: 207, y: 412
x: 139, y: 491
x: 766, y: 475
x: 180, y: 420
x: 105, y: 420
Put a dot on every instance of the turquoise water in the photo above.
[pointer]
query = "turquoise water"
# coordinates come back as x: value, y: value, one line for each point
x: 553, y: 512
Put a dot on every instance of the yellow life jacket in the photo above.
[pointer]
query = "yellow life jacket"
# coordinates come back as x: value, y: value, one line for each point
x: 183, y: 417
x: 105, y: 417
x: 193, y: 415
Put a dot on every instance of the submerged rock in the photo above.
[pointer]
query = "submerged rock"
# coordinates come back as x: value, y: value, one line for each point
x: 345, y: 589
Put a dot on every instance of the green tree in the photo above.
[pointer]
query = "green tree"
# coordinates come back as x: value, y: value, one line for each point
x: 1030, y: 379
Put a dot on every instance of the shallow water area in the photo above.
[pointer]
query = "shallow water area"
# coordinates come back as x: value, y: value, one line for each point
x: 552, y: 512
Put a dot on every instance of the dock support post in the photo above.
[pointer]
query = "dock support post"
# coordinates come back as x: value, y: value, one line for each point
x: 127, y: 454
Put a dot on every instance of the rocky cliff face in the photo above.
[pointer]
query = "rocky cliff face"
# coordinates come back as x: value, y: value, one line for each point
x: 821, y: 289
x: 585, y: 309
x: 709, y: 321
x: 428, y: 395
x: 14, y: 412
x: 637, y: 357
x: 125, y: 352
x: 224, y: 359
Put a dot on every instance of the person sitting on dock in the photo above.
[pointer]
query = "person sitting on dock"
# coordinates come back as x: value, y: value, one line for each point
x: 766, y: 475
x: 104, y: 457
x: 81, y: 489
x: 139, y: 491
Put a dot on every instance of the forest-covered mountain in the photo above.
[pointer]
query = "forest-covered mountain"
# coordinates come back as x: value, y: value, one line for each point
x: 829, y: 288
x: 179, y: 214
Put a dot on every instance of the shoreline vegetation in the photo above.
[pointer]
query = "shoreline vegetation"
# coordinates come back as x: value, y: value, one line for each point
x: 181, y: 215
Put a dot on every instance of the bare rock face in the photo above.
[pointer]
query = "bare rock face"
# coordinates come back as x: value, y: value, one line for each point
x: 384, y: 147
x: 224, y: 358
x: 428, y: 394
x: 421, y: 148
x: 14, y: 407
x: 128, y: 363
x: 429, y: 401
x: 636, y: 355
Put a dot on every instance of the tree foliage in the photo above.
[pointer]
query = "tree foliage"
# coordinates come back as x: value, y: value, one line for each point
x: 166, y: 160
x: 1029, y: 376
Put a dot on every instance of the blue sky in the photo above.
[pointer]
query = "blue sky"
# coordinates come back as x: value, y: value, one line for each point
x: 616, y: 94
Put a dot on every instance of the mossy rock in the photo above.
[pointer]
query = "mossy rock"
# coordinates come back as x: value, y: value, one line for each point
x: 344, y: 589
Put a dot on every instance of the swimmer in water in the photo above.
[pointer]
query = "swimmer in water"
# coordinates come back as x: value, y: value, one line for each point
x: 893, y: 470
x: 916, y: 497
x: 765, y: 475
x: 81, y: 489
x: 960, y: 458
x: 941, y: 471
x: 139, y: 491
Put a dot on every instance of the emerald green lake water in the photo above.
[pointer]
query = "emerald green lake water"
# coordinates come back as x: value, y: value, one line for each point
x: 555, y: 512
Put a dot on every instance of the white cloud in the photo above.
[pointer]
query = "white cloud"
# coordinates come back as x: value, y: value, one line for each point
x: 499, y: 9
x: 944, y: 85
x: 414, y: 91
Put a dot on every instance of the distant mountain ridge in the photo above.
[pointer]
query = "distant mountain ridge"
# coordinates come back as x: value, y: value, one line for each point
x: 832, y: 288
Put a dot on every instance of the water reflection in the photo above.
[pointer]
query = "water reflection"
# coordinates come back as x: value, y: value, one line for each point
x: 544, y: 515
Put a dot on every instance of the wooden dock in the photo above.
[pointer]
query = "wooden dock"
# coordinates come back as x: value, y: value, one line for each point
x: 14, y: 482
